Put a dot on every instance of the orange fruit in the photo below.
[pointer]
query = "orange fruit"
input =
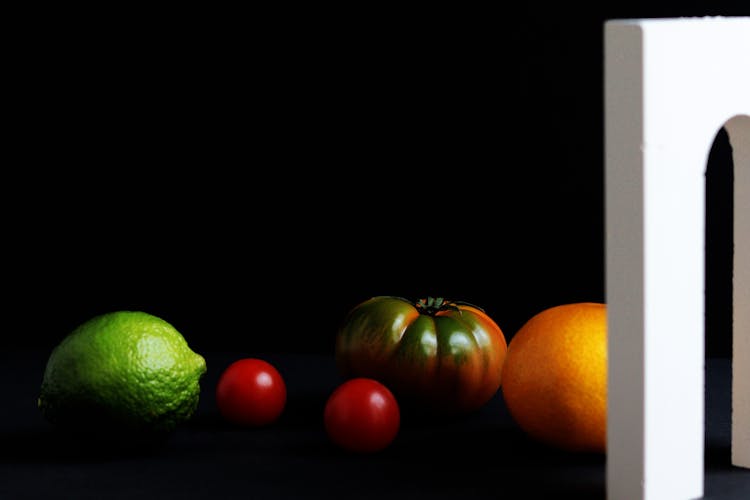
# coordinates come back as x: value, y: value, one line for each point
x: 555, y: 377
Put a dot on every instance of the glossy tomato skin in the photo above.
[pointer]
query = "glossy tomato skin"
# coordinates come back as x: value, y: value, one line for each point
x: 447, y: 358
x: 251, y: 392
x: 362, y: 415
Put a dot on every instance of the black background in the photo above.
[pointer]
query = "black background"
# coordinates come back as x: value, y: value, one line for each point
x: 251, y: 176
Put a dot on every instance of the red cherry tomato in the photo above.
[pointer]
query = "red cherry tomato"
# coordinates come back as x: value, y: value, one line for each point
x: 362, y: 415
x: 251, y: 392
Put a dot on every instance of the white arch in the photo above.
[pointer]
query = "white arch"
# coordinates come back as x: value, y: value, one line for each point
x: 670, y: 84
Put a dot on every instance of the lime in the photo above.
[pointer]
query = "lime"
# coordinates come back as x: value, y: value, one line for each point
x: 121, y: 374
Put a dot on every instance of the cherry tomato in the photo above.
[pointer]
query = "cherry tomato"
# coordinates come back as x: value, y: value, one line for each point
x: 362, y: 415
x: 251, y: 392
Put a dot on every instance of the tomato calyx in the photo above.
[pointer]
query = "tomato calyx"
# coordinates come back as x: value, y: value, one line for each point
x: 433, y: 305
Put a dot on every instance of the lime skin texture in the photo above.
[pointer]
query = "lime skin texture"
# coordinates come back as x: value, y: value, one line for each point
x: 121, y: 374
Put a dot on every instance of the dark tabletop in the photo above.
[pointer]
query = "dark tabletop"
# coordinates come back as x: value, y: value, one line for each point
x: 482, y: 455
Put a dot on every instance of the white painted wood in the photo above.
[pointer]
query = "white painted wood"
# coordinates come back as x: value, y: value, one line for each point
x: 624, y: 259
x: 670, y: 85
x: 738, y: 129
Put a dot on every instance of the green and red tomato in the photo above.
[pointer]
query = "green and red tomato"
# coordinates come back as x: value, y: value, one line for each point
x: 440, y: 354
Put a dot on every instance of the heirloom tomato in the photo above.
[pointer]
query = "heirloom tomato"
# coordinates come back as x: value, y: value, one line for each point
x: 438, y: 354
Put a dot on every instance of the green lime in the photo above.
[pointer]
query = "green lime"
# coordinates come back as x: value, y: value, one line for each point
x: 121, y: 374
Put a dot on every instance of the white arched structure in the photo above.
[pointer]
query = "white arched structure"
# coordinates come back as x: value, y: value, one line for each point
x: 670, y: 86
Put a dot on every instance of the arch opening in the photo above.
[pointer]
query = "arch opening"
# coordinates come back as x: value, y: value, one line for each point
x: 719, y: 250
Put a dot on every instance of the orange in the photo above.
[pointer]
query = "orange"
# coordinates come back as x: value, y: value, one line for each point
x: 554, y: 379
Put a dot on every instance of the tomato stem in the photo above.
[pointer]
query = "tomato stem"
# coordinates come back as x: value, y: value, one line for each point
x: 433, y: 305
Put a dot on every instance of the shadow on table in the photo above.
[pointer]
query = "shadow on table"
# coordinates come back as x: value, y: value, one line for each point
x: 52, y: 446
